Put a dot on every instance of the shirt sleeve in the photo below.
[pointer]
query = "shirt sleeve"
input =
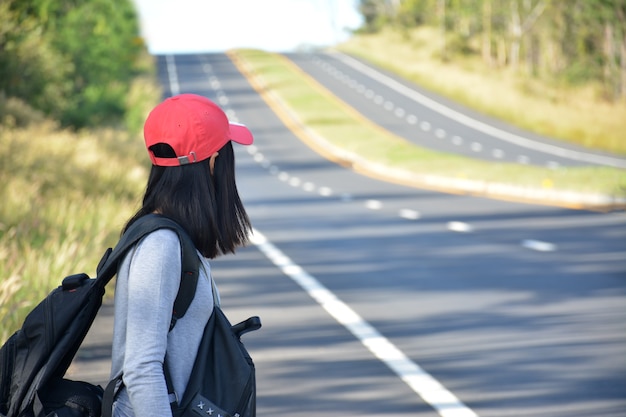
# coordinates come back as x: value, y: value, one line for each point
x: 153, y: 283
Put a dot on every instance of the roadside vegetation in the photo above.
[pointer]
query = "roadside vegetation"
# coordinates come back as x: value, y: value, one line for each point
x: 339, y: 126
x: 75, y: 85
x: 572, y: 89
x: 555, y: 67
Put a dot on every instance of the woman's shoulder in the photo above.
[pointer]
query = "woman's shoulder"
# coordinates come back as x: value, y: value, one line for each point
x: 161, y: 240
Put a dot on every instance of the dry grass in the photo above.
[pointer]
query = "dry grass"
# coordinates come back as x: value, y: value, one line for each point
x: 65, y: 197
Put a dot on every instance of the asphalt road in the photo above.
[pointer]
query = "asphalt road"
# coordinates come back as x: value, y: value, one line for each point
x: 431, y: 121
x: 383, y: 300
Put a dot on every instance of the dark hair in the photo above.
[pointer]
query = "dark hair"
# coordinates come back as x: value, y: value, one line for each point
x: 206, y: 205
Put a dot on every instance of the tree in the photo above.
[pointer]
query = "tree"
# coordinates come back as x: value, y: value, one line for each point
x: 72, y: 59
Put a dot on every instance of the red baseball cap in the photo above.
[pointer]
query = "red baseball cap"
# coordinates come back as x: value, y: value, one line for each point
x: 193, y: 126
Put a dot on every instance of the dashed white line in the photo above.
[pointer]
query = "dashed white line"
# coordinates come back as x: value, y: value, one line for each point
x: 538, y: 245
x: 409, y: 214
x: 172, y: 75
x: 373, y: 204
x: 420, y: 381
x: 476, y: 147
x: 476, y: 124
x: 325, y: 191
x: 459, y: 227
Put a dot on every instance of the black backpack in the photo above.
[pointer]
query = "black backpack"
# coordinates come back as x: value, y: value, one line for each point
x: 35, y: 359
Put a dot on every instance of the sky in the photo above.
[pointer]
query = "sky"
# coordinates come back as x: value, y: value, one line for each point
x: 183, y: 26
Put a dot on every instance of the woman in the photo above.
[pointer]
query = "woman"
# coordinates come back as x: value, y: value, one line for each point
x: 192, y: 181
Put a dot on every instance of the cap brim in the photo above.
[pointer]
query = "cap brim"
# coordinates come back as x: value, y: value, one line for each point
x: 241, y: 134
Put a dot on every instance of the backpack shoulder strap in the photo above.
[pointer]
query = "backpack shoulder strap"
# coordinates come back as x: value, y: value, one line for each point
x: 188, y: 282
x: 108, y: 265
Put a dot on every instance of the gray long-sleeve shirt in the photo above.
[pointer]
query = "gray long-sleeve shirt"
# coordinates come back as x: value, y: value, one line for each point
x: 146, y: 287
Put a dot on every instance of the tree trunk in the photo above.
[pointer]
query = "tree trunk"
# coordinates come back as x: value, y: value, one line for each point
x: 609, y: 57
x: 441, y: 7
x: 487, y: 36
x: 516, y: 36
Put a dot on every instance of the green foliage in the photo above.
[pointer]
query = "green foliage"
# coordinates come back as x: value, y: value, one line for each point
x: 30, y: 68
x: 74, y: 60
x: 570, y: 41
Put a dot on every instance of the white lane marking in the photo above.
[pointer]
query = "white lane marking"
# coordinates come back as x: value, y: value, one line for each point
x: 325, y: 191
x: 538, y: 245
x: 459, y: 227
x: 172, y: 75
x: 373, y: 204
x: 421, y: 382
x: 308, y: 186
x: 475, y: 124
x: 409, y: 214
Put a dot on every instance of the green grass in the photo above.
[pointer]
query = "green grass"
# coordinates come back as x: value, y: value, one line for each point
x: 343, y: 128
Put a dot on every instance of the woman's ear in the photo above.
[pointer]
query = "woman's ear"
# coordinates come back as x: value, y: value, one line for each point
x: 212, y: 161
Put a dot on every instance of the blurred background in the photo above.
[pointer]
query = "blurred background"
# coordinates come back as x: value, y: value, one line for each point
x: 437, y: 188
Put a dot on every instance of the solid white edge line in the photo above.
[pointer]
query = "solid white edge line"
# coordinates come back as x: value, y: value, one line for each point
x: 423, y: 384
x: 475, y: 124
